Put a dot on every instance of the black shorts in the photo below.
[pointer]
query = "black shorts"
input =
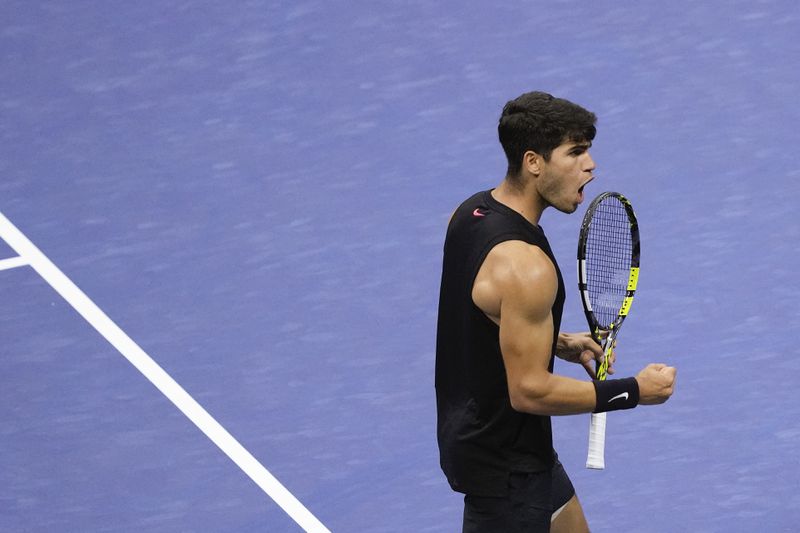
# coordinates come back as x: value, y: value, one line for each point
x: 532, y: 499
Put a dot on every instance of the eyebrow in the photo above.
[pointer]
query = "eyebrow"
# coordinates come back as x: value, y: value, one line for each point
x: 580, y: 146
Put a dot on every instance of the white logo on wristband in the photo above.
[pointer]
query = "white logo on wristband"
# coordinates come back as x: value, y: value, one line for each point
x: 624, y: 396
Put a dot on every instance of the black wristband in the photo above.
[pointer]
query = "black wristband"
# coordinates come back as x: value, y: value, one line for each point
x: 615, y: 394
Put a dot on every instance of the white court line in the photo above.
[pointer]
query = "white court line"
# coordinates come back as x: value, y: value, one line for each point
x: 30, y: 254
x: 12, y: 262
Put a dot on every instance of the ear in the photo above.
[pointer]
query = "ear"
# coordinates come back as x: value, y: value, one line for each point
x: 532, y: 162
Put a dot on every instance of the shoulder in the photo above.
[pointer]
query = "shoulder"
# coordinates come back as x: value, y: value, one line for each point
x: 519, y: 263
x: 517, y: 274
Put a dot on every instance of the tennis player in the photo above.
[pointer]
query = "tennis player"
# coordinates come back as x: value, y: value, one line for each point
x: 500, y: 308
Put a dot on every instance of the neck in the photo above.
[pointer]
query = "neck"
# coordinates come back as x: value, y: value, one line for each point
x: 524, y: 199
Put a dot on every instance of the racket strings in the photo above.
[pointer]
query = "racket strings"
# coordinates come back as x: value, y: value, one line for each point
x: 608, y: 257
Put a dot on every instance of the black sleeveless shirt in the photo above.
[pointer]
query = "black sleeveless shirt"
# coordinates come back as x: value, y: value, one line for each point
x: 481, y: 438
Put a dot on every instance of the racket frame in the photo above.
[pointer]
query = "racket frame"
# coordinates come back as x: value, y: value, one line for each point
x: 605, y: 334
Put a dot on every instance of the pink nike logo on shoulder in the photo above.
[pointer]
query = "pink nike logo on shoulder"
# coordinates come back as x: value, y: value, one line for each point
x: 477, y: 213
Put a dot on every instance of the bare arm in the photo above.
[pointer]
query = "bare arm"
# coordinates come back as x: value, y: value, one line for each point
x: 516, y: 286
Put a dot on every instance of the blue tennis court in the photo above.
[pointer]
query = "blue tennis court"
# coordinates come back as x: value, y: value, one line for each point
x: 250, y: 199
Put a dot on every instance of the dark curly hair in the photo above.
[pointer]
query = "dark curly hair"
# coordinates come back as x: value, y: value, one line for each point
x: 540, y: 122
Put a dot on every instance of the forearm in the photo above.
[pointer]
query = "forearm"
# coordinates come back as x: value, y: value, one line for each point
x: 552, y: 395
x: 562, y: 343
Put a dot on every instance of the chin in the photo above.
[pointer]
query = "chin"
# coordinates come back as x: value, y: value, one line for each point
x: 567, y: 208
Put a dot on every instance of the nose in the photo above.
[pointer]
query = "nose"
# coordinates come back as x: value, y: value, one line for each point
x: 588, y: 164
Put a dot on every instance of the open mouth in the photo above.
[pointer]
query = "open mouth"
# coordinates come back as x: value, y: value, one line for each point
x: 580, y: 189
x: 587, y: 182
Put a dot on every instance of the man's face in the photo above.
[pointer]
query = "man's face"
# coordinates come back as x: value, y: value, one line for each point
x: 564, y: 176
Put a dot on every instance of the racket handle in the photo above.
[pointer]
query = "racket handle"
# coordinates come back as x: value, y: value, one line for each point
x: 597, y: 442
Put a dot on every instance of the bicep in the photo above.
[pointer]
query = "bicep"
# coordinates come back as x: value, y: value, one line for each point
x: 526, y: 339
x: 526, y: 324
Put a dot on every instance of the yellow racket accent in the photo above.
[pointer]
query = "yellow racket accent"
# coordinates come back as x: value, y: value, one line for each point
x: 633, y: 279
x: 626, y: 306
x: 602, y: 369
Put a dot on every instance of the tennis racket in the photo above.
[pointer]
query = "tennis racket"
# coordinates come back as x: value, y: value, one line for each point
x: 608, y: 271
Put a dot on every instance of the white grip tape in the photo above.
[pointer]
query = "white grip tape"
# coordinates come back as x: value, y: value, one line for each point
x: 597, y: 442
